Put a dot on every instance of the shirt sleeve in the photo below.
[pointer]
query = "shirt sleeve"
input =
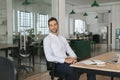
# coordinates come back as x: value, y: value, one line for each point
x: 49, y: 54
x: 68, y: 49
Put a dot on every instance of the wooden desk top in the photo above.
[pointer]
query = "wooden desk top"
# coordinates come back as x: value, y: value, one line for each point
x: 3, y: 46
x: 112, y: 67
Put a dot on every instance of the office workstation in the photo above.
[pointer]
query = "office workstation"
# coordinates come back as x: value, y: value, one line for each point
x: 92, y: 31
x: 10, y: 48
x: 105, y: 64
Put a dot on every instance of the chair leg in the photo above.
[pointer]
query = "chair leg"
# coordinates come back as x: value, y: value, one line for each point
x: 61, y: 79
x: 112, y: 77
x: 52, y: 78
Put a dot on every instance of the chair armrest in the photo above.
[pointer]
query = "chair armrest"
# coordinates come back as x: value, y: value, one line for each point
x: 50, y: 65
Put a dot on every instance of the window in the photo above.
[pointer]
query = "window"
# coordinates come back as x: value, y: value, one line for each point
x: 79, y: 26
x: 25, y: 20
x: 42, y: 24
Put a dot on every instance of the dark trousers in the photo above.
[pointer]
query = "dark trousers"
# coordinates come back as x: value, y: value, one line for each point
x: 70, y: 73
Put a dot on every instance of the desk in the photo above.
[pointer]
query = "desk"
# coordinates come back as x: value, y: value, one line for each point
x: 7, y: 47
x: 110, y: 69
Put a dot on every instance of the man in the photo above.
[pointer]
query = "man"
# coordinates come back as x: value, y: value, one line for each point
x: 56, y: 47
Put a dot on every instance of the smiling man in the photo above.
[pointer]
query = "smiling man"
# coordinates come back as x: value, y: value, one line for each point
x: 56, y: 47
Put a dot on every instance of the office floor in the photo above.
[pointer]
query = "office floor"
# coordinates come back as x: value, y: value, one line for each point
x: 40, y: 72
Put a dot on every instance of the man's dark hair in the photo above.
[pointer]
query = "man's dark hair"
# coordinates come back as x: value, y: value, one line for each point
x: 52, y: 19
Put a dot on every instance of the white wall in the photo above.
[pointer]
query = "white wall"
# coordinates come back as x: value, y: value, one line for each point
x: 58, y: 11
x: 9, y: 21
x: 3, y: 21
x: 63, y: 29
x: 71, y: 23
x: 3, y: 4
x: 92, y: 22
x: 115, y: 22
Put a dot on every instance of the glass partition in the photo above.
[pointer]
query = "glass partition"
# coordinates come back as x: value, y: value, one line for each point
x: 31, y: 16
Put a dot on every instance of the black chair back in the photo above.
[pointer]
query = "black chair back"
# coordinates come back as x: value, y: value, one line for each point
x: 7, y: 69
x: 23, y: 52
x: 96, y: 38
x: 51, y: 66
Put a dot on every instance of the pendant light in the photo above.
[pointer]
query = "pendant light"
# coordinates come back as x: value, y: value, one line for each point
x: 109, y: 11
x: 96, y: 17
x: 72, y: 12
x: 95, y: 4
x: 85, y: 14
x: 26, y: 2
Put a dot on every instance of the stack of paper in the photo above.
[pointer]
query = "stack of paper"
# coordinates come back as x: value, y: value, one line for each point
x: 93, y: 62
x: 88, y: 62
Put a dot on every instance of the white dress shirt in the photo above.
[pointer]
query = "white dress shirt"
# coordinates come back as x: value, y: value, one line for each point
x: 56, y: 47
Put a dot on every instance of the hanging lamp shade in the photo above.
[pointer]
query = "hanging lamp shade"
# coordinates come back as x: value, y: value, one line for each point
x: 85, y: 14
x: 26, y: 2
x: 109, y: 11
x: 72, y: 12
x: 95, y: 4
x: 96, y: 17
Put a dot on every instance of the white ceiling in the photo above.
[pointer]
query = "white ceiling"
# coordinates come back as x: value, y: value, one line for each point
x: 88, y: 2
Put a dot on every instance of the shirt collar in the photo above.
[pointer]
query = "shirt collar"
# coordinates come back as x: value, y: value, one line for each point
x: 53, y: 34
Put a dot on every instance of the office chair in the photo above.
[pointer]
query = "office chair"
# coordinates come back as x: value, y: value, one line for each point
x: 51, y: 67
x: 7, y: 69
x: 19, y: 54
x: 96, y: 38
x: 25, y: 54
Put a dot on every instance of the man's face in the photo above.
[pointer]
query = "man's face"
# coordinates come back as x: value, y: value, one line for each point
x: 53, y: 26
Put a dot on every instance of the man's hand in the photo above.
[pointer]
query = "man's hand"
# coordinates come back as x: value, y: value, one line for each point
x: 74, y: 59
x: 71, y: 60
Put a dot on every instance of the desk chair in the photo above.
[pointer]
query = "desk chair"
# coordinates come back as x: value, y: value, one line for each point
x: 51, y: 67
x: 96, y: 38
x: 20, y: 55
x: 7, y: 69
x: 25, y: 54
